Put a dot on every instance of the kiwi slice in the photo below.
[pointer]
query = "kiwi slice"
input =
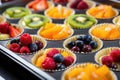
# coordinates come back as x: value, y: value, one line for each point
x: 81, y: 21
x: 36, y: 24
x: 35, y: 20
x: 17, y: 12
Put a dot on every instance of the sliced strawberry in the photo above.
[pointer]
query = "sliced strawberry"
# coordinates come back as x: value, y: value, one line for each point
x: 33, y: 3
x: 13, y: 31
x: 41, y: 5
x: 4, y: 28
x: 82, y: 5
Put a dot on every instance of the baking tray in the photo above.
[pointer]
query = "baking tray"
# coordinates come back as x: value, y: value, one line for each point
x: 54, y: 75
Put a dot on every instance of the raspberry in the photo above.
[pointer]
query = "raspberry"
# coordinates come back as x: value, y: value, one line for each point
x: 49, y: 63
x: 52, y: 52
x: 15, y: 47
x: 115, y: 54
x: 68, y: 61
x: 107, y: 60
x: 25, y: 39
x: 24, y: 49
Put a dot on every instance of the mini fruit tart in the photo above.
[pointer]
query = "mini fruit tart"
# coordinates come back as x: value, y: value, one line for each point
x: 53, y: 59
x: 83, y: 44
x: 52, y: 31
x: 26, y: 44
x: 110, y: 57
x: 39, y: 5
x: 2, y: 19
x: 59, y: 12
x: 10, y: 31
x: 16, y: 12
x: 102, y: 12
x: 80, y: 21
x: 81, y: 4
x: 88, y: 71
x: 105, y: 31
x: 34, y: 21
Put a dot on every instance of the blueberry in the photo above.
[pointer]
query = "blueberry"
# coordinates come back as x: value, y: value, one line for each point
x: 58, y: 58
x: 80, y: 38
x: 114, y: 66
x: 93, y: 44
x: 87, y: 48
x: 33, y: 47
x: 75, y: 49
x: 60, y: 66
x: 79, y: 43
x: 87, y: 39
x: 15, y: 41
x: 70, y: 44
x: 39, y: 44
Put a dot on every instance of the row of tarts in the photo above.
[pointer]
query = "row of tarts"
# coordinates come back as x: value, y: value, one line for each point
x: 57, y: 59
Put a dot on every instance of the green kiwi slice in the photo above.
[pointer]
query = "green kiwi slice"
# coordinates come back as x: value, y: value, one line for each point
x: 17, y: 12
x: 35, y: 20
x: 81, y: 21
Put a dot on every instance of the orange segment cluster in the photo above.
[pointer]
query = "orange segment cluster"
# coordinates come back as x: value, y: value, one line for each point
x: 59, y: 12
x: 90, y: 72
x: 107, y: 32
x: 55, y: 31
x: 102, y: 11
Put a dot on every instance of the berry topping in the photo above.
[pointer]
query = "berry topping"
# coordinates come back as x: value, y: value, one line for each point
x: 114, y: 66
x: 75, y: 49
x: 39, y: 44
x: 115, y: 54
x: 79, y: 43
x: 25, y: 39
x: 87, y: 48
x: 60, y: 66
x: 93, y: 44
x: 15, y: 47
x: 58, y: 58
x: 4, y: 28
x: 49, y: 63
x: 107, y: 60
x: 24, y: 49
x: 33, y: 47
x: 80, y: 38
x: 15, y: 41
x: 68, y: 61
x: 87, y: 39
x: 52, y: 52
x: 82, y: 5
x: 70, y: 44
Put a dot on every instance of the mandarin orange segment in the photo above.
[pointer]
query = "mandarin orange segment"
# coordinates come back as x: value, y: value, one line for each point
x: 40, y: 60
x: 64, y: 54
x: 102, y: 11
x: 59, y: 12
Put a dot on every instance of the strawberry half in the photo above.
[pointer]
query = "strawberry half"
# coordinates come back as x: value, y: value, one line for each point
x: 4, y: 28
x: 41, y: 5
x: 82, y: 5
x: 13, y: 31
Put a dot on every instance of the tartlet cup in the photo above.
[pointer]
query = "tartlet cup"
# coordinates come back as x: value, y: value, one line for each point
x: 18, y: 27
x: 40, y: 53
x: 60, y: 20
x: 105, y: 52
x: 74, y: 38
x: 13, y: 20
x: 67, y: 23
x: 98, y: 25
x: 115, y: 20
x: 34, y: 39
x: 82, y: 65
x: 89, y: 2
x: 2, y: 19
x: 105, y: 19
x: 50, y: 4
x: 71, y: 31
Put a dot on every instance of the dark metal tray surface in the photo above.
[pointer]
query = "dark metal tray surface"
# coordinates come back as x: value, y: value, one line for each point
x: 59, y: 43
